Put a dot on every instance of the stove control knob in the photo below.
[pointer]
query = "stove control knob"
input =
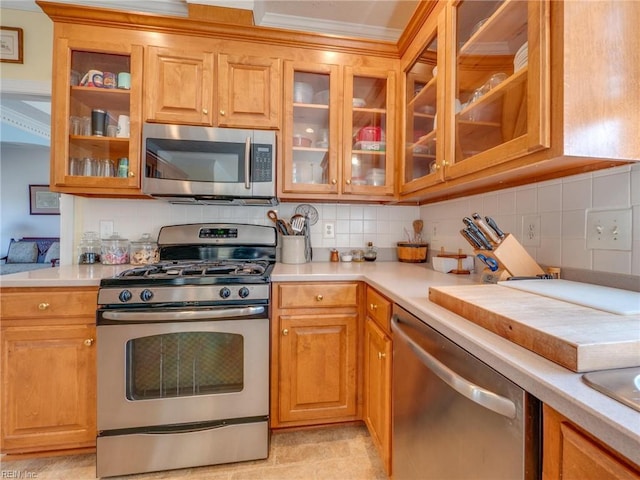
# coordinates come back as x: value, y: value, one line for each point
x: 225, y: 292
x: 146, y: 295
x: 244, y: 292
x: 125, y: 296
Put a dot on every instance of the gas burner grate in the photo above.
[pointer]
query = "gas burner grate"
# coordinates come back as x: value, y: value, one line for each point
x: 197, y: 269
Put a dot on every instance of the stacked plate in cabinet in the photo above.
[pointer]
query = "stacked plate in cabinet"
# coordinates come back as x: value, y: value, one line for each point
x: 521, y: 57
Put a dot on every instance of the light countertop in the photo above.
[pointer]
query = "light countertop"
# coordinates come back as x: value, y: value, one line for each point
x: 407, y: 284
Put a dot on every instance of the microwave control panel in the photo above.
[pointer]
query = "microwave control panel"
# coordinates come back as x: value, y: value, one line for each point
x: 262, y: 163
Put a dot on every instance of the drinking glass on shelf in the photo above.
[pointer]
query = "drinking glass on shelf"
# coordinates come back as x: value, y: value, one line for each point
x: 89, y: 167
x: 75, y: 166
x: 496, y: 79
x: 75, y: 125
x: 85, y: 126
x: 106, y: 168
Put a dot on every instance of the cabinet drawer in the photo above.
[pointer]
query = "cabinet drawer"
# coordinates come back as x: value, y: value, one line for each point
x: 46, y: 303
x: 317, y: 295
x: 379, y: 309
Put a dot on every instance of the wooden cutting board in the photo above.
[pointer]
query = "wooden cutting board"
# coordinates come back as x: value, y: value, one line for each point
x: 579, y: 338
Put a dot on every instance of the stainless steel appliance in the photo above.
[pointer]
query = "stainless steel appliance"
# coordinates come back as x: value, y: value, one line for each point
x: 621, y: 384
x: 206, y: 165
x: 183, y: 352
x: 453, y: 416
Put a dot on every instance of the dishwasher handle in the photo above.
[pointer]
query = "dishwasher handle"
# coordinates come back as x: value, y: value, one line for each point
x: 483, y: 397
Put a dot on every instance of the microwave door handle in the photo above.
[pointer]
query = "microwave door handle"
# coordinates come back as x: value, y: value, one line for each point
x: 247, y: 164
x: 483, y: 397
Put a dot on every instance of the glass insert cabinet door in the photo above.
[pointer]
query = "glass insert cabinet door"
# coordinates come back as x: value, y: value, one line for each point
x: 498, y: 85
x: 368, y: 134
x: 421, y: 147
x: 310, y: 133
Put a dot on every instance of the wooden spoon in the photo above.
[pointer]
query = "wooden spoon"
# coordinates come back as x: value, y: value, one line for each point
x: 417, y: 230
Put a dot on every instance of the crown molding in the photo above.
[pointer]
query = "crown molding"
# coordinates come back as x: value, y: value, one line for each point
x: 24, y: 123
x: 292, y: 22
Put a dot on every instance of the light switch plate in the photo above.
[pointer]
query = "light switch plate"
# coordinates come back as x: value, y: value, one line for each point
x: 608, y: 229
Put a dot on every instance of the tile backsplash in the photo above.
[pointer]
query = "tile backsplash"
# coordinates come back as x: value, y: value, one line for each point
x: 559, y: 204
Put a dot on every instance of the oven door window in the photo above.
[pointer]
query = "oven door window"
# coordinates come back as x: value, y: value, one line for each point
x: 195, y: 160
x: 184, y: 364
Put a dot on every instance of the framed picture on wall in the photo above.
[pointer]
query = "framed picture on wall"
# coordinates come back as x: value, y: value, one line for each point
x: 42, y: 201
x: 11, y: 45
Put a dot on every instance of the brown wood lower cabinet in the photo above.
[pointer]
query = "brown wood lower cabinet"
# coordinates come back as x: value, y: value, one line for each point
x: 571, y: 454
x: 48, y: 369
x: 314, y: 372
x: 378, y: 353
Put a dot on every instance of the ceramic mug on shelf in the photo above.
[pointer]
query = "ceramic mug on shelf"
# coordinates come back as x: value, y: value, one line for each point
x: 124, y: 125
x: 93, y: 78
x: 124, y: 80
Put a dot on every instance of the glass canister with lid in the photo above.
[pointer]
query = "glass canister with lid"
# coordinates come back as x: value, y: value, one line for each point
x: 114, y: 250
x: 144, y: 251
x: 89, y: 249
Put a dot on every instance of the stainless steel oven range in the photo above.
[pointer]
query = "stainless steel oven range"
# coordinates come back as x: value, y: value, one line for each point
x: 183, y: 352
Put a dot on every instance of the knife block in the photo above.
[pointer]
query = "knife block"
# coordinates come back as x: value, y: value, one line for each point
x: 512, y: 257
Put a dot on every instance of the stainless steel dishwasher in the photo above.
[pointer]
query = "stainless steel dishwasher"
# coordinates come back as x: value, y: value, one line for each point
x: 454, y: 417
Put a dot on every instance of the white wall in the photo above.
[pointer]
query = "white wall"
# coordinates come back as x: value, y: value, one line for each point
x: 561, y: 205
x: 20, y: 166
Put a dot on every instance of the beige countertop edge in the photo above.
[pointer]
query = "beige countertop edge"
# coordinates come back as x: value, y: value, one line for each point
x: 408, y: 285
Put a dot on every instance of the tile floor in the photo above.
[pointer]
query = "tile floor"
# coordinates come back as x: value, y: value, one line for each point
x: 340, y: 453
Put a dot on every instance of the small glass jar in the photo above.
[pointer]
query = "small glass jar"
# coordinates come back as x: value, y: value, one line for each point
x: 144, y: 251
x: 114, y: 250
x: 357, y: 255
x: 370, y: 253
x: 89, y: 249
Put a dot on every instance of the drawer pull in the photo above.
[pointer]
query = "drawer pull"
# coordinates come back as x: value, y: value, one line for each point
x: 43, y: 306
x: 285, y: 332
x: 222, y: 113
x: 381, y: 355
x: 205, y: 111
x: 373, y: 306
x: 88, y: 342
x: 319, y: 297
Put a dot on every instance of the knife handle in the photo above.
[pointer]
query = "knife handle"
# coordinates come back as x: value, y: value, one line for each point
x: 472, y: 241
x: 477, y: 234
x: 486, y: 229
x: 492, y: 223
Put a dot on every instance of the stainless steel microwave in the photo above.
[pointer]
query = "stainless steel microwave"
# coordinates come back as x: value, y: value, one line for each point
x: 207, y: 165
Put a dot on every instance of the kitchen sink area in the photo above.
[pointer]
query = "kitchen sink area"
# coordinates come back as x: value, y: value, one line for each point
x: 621, y: 384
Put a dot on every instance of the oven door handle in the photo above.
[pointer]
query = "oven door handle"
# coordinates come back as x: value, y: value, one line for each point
x: 483, y: 397
x: 181, y: 315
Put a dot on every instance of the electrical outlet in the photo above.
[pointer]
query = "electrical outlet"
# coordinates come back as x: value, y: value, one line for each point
x: 106, y: 228
x: 329, y: 231
x: 434, y: 232
x: 609, y: 229
x: 531, y: 230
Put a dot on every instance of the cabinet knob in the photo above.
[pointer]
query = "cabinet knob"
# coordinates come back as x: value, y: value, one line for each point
x: 205, y: 111
x: 334, y: 181
x: 319, y: 297
x: 381, y: 355
x: 348, y: 182
x: 223, y: 113
x: 373, y: 306
x: 43, y: 306
x: 131, y: 174
x: 88, y: 342
x: 285, y: 332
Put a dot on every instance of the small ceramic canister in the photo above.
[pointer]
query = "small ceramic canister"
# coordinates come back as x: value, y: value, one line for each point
x: 109, y: 80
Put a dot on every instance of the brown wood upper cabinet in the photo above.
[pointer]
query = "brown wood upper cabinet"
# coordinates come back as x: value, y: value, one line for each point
x: 339, y: 131
x: 84, y: 159
x: 510, y: 100
x: 181, y: 88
